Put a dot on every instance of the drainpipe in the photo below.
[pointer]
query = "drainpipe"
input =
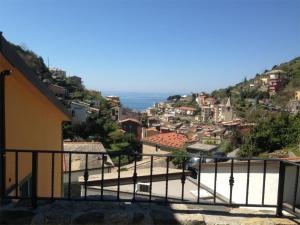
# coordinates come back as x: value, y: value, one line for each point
x: 3, y: 74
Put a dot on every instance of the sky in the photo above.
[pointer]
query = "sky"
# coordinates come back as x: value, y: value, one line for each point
x: 172, y: 46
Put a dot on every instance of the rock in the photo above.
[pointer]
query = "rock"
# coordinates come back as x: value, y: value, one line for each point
x: 161, y: 216
x: 137, y: 217
x: 90, y: 218
x: 16, y: 216
x: 190, y: 219
x: 268, y: 221
x: 119, y: 217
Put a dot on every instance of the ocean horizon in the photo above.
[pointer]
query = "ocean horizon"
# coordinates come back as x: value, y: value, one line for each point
x: 138, y: 101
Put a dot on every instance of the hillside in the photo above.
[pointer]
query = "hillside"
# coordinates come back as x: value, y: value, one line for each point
x: 99, y: 126
x: 293, y: 69
x: 281, y: 98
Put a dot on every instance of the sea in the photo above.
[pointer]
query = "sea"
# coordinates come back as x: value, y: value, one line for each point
x: 138, y: 101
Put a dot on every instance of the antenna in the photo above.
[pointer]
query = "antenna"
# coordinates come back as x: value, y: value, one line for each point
x: 48, y: 62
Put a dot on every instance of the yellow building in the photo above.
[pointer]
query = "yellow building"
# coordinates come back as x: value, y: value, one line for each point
x: 33, y: 121
x: 297, y: 95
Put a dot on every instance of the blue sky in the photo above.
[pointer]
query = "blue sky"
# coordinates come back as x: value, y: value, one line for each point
x: 156, y: 45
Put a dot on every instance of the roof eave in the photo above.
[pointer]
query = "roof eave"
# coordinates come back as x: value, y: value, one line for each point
x: 15, y: 60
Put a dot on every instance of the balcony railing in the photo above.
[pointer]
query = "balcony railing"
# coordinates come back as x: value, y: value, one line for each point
x: 37, y: 175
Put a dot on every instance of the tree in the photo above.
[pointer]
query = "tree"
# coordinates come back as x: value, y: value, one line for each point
x: 179, y: 157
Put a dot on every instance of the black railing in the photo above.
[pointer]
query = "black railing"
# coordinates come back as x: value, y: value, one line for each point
x: 231, y: 182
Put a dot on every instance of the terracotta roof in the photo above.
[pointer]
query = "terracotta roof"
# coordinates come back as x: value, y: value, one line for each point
x: 171, y: 139
x: 130, y: 119
x: 186, y: 108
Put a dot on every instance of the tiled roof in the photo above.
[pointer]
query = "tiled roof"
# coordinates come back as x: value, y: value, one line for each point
x: 172, y: 140
x: 130, y: 119
x: 186, y: 108
x: 78, y: 161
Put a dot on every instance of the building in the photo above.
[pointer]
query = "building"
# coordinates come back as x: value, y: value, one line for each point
x: 264, y: 80
x: 206, y: 113
x: 79, y: 112
x: 116, y: 113
x: 228, y: 112
x: 219, y: 113
x: 33, y: 121
x: 297, y: 95
x: 186, y: 111
x: 58, y: 74
x: 276, y: 80
x: 147, y: 132
x: 164, y: 143
x: 78, y: 161
x: 132, y: 126
x: 58, y: 91
x: 76, y: 80
x: 200, y: 148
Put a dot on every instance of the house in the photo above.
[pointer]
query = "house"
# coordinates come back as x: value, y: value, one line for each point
x: 200, y: 148
x: 78, y: 161
x: 218, y: 115
x: 153, y: 122
x: 58, y: 91
x: 132, y: 126
x: 276, y: 80
x: 264, y: 80
x: 76, y: 80
x: 297, y: 95
x: 58, y: 74
x: 79, y: 112
x: 186, y: 111
x: 33, y: 121
x: 147, y: 132
x: 114, y: 101
x: 164, y: 143
x: 116, y: 112
x: 206, y: 113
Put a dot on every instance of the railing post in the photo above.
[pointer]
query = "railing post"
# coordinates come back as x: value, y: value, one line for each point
x: 280, y: 189
x: 34, y: 179
x: 2, y: 176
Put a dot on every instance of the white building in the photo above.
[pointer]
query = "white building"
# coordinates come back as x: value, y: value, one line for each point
x: 79, y: 112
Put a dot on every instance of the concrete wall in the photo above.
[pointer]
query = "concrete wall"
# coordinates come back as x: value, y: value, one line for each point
x: 149, y: 149
x: 240, y: 181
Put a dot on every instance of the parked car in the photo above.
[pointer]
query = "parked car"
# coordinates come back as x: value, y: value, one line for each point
x: 217, y: 157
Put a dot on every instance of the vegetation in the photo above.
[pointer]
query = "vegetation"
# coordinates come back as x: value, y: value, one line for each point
x: 98, y: 127
x: 179, y: 157
x: 272, y: 133
x: 174, y: 97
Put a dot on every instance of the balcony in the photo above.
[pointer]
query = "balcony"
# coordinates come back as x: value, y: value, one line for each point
x: 196, y: 181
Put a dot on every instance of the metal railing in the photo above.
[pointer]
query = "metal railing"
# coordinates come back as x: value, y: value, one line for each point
x: 219, y: 175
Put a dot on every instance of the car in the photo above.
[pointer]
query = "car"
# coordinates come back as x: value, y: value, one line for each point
x: 217, y: 157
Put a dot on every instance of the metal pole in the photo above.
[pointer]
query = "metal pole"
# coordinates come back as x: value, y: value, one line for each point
x: 280, y: 189
x: 3, y: 74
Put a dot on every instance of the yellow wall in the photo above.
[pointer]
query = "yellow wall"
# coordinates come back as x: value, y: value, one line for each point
x: 32, y: 122
x: 297, y: 95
